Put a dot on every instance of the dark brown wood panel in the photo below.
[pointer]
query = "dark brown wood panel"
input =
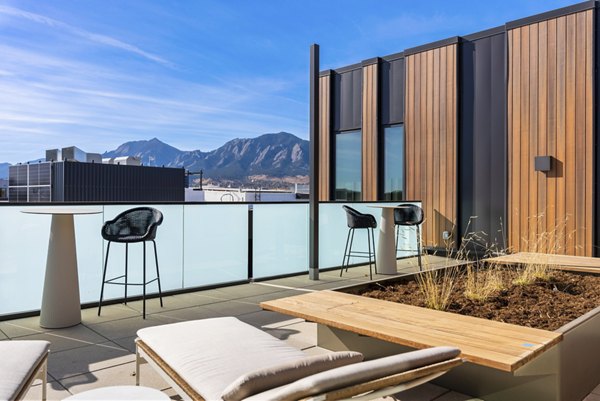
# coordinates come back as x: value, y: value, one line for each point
x: 550, y: 113
x: 370, y: 124
x: 324, y: 138
x: 431, y: 128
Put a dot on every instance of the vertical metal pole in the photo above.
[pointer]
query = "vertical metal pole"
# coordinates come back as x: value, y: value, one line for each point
x: 313, y: 241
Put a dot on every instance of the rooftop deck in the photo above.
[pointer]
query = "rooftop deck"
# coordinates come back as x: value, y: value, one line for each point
x: 100, y: 351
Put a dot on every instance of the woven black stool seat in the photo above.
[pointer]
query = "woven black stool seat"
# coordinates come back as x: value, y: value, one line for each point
x: 131, y: 226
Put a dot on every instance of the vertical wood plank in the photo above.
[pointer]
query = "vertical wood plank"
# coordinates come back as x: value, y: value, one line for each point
x: 513, y: 140
x: 580, y: 126
x: 561, y: 53
x: 444, y: 77
x: 534, y: 213
x: 589, y: 131
x: 524, y: 138
x: 551, y: 140
x: 451, y: 100
x: 324, y: 138
x: 542, y: 132
x: 570, y: 135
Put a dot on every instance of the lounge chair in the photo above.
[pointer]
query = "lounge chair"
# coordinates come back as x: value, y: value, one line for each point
x: 21, y: 362
x: 226, y: 359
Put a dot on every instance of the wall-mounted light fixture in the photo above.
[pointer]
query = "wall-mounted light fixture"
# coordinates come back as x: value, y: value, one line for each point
x: 543, y: 163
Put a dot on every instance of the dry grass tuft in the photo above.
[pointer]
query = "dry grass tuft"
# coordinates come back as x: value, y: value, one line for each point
x: 437, y: 285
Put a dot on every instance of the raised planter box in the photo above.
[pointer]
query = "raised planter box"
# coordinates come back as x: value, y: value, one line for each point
x: 563, y: 366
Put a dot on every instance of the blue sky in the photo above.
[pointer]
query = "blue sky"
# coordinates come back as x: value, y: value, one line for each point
x: 195, y: 73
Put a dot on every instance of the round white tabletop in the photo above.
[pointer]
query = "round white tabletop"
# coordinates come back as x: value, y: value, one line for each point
x: 121, y: 393
x: 61, y: 210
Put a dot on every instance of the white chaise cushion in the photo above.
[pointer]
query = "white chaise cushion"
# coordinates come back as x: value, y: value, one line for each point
x: 357, y: 373
x: 211, y: 354
x: 18, y: 361
x: 274, y: 376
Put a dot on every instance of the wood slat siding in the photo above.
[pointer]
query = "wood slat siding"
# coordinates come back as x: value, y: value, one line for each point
x: 550, y: 109
x: 324, y: 138
x: 370, y: 124
x: 431, y: 143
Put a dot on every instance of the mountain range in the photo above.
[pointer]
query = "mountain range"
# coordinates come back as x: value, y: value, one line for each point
x: 272, y: 155
x: 275, y: 155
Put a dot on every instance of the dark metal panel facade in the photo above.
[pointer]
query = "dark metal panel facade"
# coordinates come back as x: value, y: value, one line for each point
x: 347, y: 100
x: 392, y: 91
x: 482, y: 138
x: 90, y: 182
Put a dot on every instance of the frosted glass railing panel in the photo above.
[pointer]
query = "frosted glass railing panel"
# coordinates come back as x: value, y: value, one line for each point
x: 280, y: 239
x: 215, y: 244
x: 169, y: 244
x: 23, y: 249
x: 89, y: 253
x: 333, y: 231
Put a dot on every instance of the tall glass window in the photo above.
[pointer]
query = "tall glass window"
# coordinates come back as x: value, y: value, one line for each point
x: 348, y: 165
x: 393, y: 162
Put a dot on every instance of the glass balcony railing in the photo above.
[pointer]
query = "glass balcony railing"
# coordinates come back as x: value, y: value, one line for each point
x: 198, y: 245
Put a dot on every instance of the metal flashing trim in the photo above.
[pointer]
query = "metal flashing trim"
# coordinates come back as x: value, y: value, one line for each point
x: 325, y: 73
x: 348, y: 68
x: 485, y: 34
x: 432, y: 45
x: 392, y: 57
x: 370, y: 61
x: 559, y: 12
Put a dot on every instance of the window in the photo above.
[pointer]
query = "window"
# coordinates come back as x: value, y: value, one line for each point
x: 348, y: 165
x: 393, y: 162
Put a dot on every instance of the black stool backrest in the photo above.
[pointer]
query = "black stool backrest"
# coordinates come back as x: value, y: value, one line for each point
x: 356, y: 219
x: 133, y: 225
x: 408, y: 215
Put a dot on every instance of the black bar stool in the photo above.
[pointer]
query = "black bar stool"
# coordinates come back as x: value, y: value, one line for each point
x: 131, y: 226
x: 409, y: 215
x: 358, y: 220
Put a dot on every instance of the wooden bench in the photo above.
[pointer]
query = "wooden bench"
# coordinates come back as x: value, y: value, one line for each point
x: 484, y: 342
x: 563, y: 262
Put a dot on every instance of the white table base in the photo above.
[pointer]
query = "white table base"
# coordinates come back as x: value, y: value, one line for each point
x: 60, y: 301
x: 386, y: 247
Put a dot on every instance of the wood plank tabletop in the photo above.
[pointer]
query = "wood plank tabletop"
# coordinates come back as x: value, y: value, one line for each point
x: 485, y: 342
x: 563, y: 262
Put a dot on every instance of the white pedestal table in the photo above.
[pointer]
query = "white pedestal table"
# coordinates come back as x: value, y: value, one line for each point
x: 61, y: 305
x: 386, y: 245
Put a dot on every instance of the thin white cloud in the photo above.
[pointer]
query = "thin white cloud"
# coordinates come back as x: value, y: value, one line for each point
x: 47, y: 101
x: 93, y: 37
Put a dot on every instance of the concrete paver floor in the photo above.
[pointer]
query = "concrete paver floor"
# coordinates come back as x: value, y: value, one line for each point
x: 101, y: 352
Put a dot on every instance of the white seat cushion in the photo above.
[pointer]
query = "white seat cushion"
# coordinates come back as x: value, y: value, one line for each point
x: 210, y: 354
x: 356, y: 373
x: 18, y: 360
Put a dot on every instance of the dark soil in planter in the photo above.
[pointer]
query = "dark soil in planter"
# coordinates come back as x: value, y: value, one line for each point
x: 545, y: 305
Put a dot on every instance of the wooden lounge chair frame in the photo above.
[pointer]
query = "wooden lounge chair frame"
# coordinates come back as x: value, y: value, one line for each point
x: 363, y: 391
x: 40, y: 372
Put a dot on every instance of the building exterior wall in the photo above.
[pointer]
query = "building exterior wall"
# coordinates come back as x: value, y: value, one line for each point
x: 550, y: 112
x: 431, y: 139
x: 476, y: 111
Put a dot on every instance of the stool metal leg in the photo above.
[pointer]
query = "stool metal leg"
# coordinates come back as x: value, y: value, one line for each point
x: 144, y: 285
x: 369, y: 243
x: 419, y: 247
x: 345, y: 253
x: 103, y: 278
x: 350, y: 249
x: 374, y: 253
x: 126, y: 259
x: 157, y: 274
